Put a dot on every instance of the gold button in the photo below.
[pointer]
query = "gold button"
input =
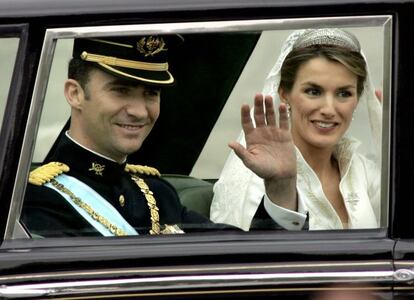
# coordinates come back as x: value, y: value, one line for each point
x: 122, y: 200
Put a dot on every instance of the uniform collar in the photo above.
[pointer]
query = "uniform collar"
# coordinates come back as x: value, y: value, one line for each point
x: 85, y: 162
x: 86, y: 148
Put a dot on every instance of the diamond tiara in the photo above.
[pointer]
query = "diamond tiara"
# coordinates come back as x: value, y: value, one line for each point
x: 328, y: 36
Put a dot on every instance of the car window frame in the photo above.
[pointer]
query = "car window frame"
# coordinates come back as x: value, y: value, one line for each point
x: 4, y: 36
x: 13, y: 113
x: 52, y: 35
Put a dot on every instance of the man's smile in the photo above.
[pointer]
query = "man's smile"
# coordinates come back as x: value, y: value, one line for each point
x: 129, y: 126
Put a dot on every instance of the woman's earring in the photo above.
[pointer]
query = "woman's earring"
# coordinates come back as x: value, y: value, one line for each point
x: 288, y: 110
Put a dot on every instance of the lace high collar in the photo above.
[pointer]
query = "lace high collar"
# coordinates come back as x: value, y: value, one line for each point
x: 343, y: 153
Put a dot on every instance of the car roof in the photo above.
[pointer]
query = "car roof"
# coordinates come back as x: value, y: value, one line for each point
x: 50, y: 8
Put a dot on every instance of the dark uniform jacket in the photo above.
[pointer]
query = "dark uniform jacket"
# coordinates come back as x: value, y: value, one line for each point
x: 47, y: 213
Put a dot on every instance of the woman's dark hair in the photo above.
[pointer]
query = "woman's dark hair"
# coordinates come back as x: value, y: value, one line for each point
x: 352, y: 60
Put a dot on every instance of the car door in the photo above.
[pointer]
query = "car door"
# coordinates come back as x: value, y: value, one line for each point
x: 401, y: 229
x: 13, y: 106
x: 213, y: 264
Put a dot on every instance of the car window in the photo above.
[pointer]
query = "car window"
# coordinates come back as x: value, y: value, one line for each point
x: 56, y: 112
x: 8, y: 51
x: 372, y: 136
x: 227, y: 128
x: 249, y: 54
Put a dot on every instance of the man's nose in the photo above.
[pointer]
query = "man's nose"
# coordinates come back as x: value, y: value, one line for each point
x: 137, y: 108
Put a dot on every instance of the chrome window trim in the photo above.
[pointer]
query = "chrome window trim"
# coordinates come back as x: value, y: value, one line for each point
x: 49, y: 45
x: 404, y: 274
x: 386, y: 125
x: 257, y: 291
x: 282, y: 268
x: 169, y: 284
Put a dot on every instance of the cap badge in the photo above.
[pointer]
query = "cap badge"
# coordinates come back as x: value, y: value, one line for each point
x: 149, y: 46
x: 97, y: 168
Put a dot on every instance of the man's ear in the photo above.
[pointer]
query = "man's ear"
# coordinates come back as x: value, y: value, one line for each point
x: 74, y: 93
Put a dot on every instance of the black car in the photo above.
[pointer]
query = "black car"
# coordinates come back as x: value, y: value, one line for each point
x: 221, y: 64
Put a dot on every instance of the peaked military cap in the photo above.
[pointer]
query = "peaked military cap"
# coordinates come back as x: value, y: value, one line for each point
x: 138, y: 58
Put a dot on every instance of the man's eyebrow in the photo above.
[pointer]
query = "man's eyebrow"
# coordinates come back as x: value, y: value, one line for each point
x: 122, y: 82
x: 131, y: 84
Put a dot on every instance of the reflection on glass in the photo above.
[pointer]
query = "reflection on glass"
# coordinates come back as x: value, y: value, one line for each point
x: 8, y: 51
x: 56, y: 112
x: 347, y: 295
x: 350, y: 292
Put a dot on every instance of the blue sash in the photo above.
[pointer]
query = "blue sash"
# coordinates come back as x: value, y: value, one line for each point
x: 96, y: 202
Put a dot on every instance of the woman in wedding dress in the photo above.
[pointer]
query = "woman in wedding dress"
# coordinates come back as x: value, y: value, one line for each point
x: 304, y: 167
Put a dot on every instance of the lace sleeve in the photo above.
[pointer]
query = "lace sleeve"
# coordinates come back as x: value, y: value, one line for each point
x: 237, y: 194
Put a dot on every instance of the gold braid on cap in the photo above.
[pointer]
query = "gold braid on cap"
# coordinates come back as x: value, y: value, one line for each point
x: 328, y: 36
x: 124, y: 63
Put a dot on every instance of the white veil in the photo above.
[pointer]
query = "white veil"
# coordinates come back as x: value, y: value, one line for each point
x: 238, y: 191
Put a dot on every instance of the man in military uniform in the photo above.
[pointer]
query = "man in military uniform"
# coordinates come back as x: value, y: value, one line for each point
x: 86, y: 187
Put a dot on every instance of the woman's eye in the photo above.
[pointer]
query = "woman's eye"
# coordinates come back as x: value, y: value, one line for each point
x: 312, y: 92
x: 345, y: 94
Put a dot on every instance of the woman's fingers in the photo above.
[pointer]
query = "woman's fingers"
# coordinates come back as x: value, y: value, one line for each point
x: 270, y: 115
x: 246, y: 120
x: 264, y: 114
x: 378, y: 94
x: 283, y: 116
x: 240, y: 151
x: 270, y: 111
x: 259, y: 114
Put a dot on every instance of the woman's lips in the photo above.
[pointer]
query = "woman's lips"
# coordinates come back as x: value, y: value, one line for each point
x: 325, y: 125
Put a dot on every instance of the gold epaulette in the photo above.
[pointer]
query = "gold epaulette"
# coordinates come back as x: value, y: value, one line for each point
x: 142, y: 170
x: 45, y: 173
